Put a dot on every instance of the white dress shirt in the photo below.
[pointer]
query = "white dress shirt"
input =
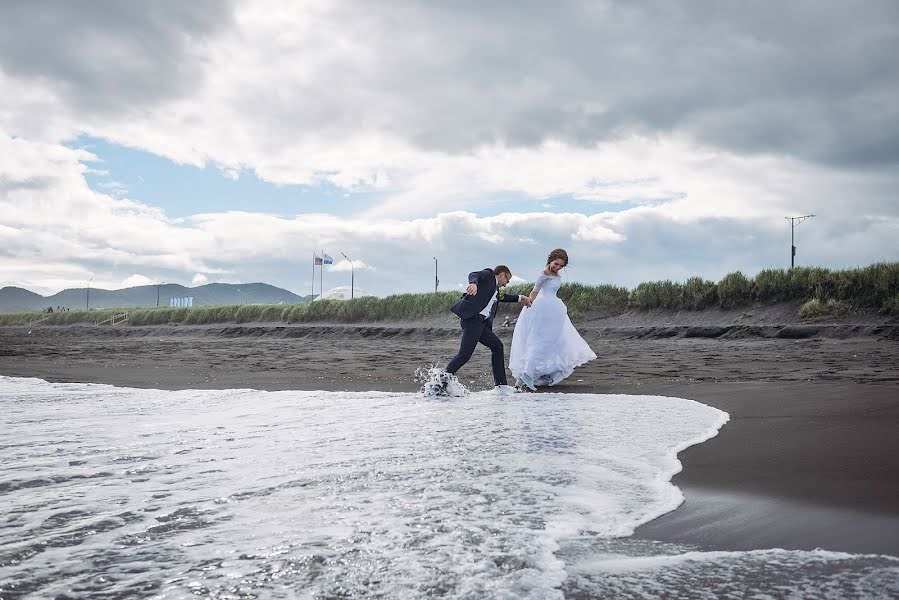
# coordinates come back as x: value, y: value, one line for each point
x: 486, y: 312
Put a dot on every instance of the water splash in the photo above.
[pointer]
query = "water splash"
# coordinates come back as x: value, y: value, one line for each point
x: 436, y: 382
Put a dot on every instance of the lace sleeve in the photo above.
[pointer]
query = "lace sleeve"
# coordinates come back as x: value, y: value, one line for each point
x: 541, y: 279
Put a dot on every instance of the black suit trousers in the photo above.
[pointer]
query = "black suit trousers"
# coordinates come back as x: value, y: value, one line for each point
x: 476, y: 330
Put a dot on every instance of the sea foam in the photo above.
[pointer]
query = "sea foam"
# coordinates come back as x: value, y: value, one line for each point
x: 171, y: 494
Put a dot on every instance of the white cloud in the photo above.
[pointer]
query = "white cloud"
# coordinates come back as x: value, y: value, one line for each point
x: 42, y: 277
x: 343, y: 266
x: 136, y: 280
x: 440, y: 105
x: 199, y: 279
x: 691, y: 162
x: 113, y: 188
x: 55, y: 232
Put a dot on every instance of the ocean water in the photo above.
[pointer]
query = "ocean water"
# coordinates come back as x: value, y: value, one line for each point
x: 123, y: 493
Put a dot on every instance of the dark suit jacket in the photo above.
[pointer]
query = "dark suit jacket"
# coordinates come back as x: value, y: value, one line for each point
x: 469, y: 306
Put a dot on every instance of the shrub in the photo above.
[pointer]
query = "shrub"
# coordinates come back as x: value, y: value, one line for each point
x: 891, y: 306
x: 699, y: 293
x: 772, y: 285
x: 734, y: 290
x: 875, y: 286
x: 655, y: 294
x: 817, y: 309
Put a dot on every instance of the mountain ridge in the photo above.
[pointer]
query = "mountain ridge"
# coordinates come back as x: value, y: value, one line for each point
x: 17, y: 299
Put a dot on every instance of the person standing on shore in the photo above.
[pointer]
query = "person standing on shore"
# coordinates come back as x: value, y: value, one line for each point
x: 476, y: 310
x: 546, y: 348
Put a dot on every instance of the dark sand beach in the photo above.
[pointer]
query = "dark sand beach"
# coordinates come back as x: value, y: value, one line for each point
x: 809, y: 458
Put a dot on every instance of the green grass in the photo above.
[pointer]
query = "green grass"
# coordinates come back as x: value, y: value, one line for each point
x: 835, y: 291
x: 817, y: 309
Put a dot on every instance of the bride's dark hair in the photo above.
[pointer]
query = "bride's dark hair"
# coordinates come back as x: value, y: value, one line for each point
x: 557, y: 253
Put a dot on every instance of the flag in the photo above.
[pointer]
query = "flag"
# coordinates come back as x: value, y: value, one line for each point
x: 328, y: 260
x: 318, y: 260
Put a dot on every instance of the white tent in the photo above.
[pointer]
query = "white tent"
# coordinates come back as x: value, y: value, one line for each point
x: 342, y: 293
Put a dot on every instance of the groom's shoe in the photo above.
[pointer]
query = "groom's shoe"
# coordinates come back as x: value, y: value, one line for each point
x: 443, y: 383
x: 440, y: 387
x: 528, y: 381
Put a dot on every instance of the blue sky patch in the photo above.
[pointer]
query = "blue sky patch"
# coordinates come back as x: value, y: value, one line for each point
x: 184, y: 190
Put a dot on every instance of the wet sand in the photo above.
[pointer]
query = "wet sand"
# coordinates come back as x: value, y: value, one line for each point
x: 808, y: 459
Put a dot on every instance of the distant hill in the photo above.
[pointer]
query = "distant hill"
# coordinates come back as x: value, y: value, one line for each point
x: 15, y: 299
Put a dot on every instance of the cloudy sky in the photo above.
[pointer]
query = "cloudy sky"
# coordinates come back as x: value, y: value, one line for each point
x: 207, y: 141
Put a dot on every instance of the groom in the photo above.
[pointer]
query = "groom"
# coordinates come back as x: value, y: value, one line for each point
x: 476, y: 310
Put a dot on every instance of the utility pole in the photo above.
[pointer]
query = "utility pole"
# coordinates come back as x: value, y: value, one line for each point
x: 794, y: 222
x: 436, y: 281
x: 88, y: 304
x: 157, y: 292
x: 352, y: 277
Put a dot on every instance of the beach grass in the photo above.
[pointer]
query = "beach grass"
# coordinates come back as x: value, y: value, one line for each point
x: 822, y: 292
x: 818, y: 309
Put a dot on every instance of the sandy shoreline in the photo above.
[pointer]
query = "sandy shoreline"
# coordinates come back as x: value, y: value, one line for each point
x: 808, y: 459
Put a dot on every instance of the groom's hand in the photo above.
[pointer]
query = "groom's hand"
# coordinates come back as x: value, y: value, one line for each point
x: 472, y: 289
x: 526, y: 300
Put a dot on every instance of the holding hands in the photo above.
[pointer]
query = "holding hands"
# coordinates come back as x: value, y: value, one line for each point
x: 472, y: 290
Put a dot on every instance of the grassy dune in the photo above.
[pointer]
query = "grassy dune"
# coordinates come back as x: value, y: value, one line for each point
x: 822, y: 292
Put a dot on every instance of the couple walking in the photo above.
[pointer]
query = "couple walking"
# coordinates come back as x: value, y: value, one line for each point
x: 546, y: 347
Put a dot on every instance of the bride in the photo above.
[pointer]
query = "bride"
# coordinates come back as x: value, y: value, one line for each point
x: 546, y: 347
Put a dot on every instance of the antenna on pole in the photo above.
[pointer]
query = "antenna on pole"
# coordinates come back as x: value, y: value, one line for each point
x: 794, y: 222
x: 436, y: 281
x: 352, y: 277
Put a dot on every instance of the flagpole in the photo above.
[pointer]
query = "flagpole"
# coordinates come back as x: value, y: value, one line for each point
x: 313, y: 276
x: 321, y: 277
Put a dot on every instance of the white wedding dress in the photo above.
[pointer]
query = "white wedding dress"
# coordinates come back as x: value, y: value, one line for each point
x: 545, y: 345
